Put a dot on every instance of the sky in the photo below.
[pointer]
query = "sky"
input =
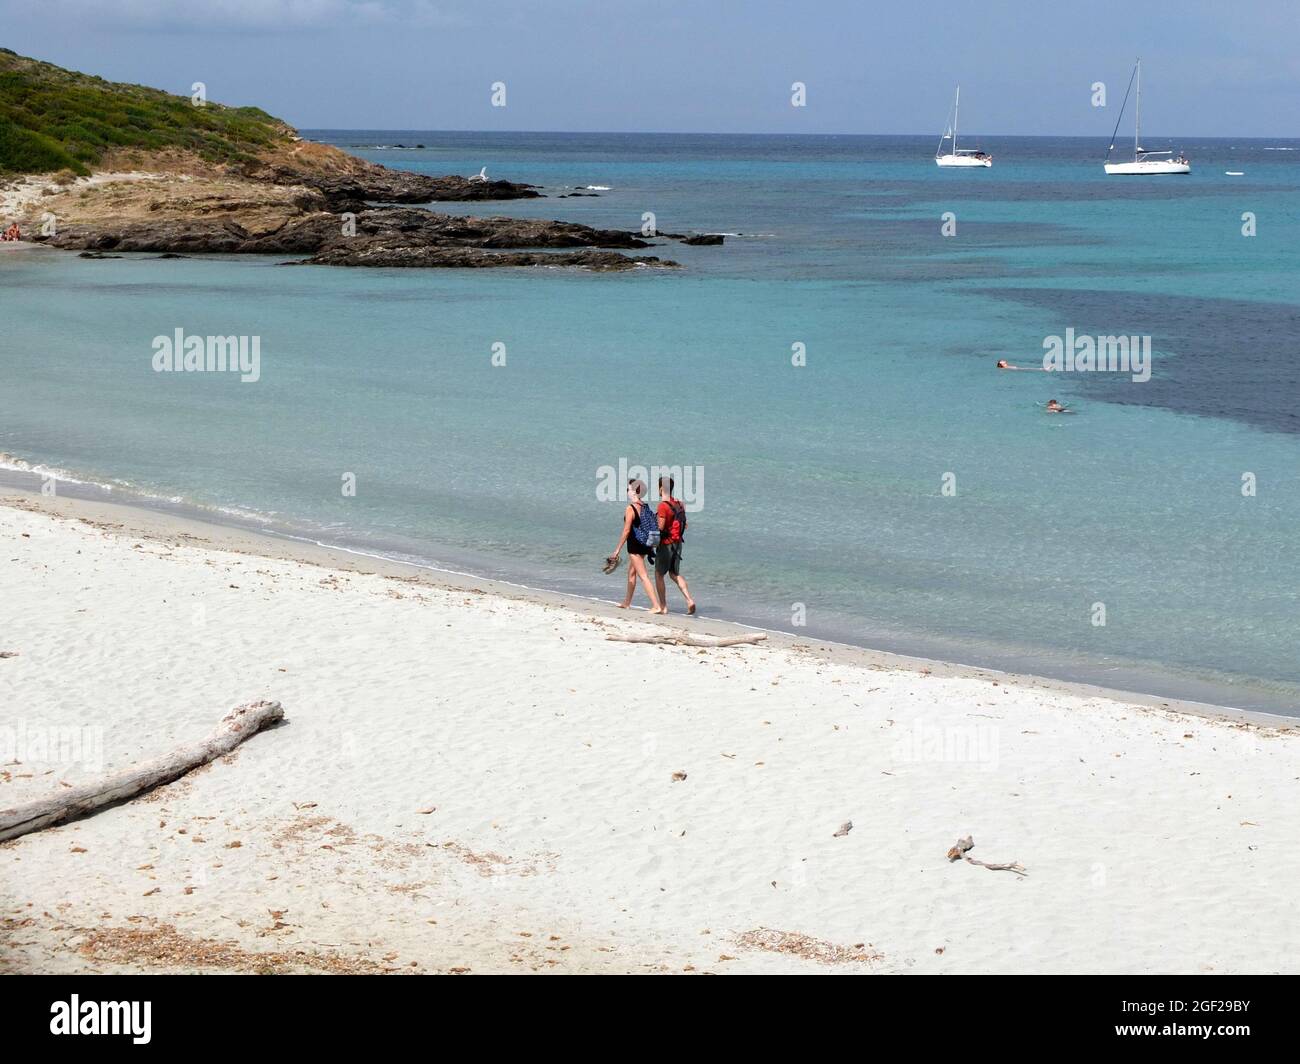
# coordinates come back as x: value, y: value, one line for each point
x: 1210, y: 67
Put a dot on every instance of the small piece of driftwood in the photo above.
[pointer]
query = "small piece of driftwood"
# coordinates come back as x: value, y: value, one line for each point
x: 681, y: 639
x: 958, y: 853
x: 239, y: 724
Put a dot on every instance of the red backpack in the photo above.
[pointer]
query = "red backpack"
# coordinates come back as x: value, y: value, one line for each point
x: 676, y: 530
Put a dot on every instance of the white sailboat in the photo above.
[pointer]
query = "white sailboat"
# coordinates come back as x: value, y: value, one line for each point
x: 1144, y: 162
x: 959, y: 156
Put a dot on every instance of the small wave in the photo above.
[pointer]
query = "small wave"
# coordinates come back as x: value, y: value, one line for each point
x: 598, y: 188
x: 235, y: 511
x: 21, y: 465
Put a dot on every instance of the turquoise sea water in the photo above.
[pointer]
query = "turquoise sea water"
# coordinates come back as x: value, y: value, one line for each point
x: 819, y: 485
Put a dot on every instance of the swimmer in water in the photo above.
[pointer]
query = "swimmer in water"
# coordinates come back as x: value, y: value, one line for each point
x: 1004, y: 364
x: 1053, y: 407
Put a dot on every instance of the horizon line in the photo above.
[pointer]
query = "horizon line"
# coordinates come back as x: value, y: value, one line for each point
x: 745, y: 133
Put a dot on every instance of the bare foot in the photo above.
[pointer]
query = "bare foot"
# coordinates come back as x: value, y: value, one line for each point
x: 624, y: 605
x: 690, y: 609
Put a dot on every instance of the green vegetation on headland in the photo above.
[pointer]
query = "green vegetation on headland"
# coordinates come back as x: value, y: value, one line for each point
x: 55, y: 119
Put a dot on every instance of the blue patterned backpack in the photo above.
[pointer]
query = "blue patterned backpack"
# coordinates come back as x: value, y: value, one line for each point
x: 646, y: 528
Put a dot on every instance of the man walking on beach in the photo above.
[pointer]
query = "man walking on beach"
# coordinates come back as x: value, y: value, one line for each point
x: 668, y: 557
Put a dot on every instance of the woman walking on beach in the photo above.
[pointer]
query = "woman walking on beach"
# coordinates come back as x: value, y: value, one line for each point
x: 640, y: 528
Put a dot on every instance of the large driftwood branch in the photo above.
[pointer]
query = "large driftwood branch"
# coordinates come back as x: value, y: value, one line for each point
x: 958, y: 853
x: 681, y: 639
x: 239, y: 724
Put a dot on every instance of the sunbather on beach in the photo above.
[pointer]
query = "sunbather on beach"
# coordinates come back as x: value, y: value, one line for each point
x: 12, y: 233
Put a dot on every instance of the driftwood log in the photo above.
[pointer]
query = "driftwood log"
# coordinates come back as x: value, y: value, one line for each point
x: 239, y: 724
x: 682, y: 639
x: 958, y: 853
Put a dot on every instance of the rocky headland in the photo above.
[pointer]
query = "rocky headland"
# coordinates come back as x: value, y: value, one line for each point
x: 352, y: 213
x: 219, y: 180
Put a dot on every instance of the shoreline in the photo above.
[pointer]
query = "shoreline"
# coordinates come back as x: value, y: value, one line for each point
x: 142, y: 520
x: 474, y: 777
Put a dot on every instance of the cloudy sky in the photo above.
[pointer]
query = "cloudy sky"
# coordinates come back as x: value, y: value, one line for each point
x: 1209, y: 67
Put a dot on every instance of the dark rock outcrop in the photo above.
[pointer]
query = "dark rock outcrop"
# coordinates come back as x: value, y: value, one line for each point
x: 382, y: 236
x: 419, y: 226
x: 369, y: 182
x: 195, y: 236
x: 692, y: 238
x: 461, y: 257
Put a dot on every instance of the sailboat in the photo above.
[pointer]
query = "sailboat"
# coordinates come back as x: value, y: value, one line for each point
x: 1144, y: 162
x: 959, y: 156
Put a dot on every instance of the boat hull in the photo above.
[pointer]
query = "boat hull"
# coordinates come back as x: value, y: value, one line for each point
x: 1149, y: 168
x: 961, y: 160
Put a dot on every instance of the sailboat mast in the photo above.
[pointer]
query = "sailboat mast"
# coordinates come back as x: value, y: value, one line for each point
x: 1137, y: 129
x: 956, y: 111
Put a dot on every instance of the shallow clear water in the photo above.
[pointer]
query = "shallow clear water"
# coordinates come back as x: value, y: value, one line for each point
x: 819, y: 485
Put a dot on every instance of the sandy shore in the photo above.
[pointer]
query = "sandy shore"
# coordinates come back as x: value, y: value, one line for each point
x: 26, y: 197
x: 477, y: 778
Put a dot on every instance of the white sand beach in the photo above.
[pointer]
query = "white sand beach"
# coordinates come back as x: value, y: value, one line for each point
x: 473, y: 778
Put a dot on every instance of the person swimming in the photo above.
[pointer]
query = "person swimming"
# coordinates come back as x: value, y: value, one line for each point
x: 1053, y: 407
x: 1004, y: 364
